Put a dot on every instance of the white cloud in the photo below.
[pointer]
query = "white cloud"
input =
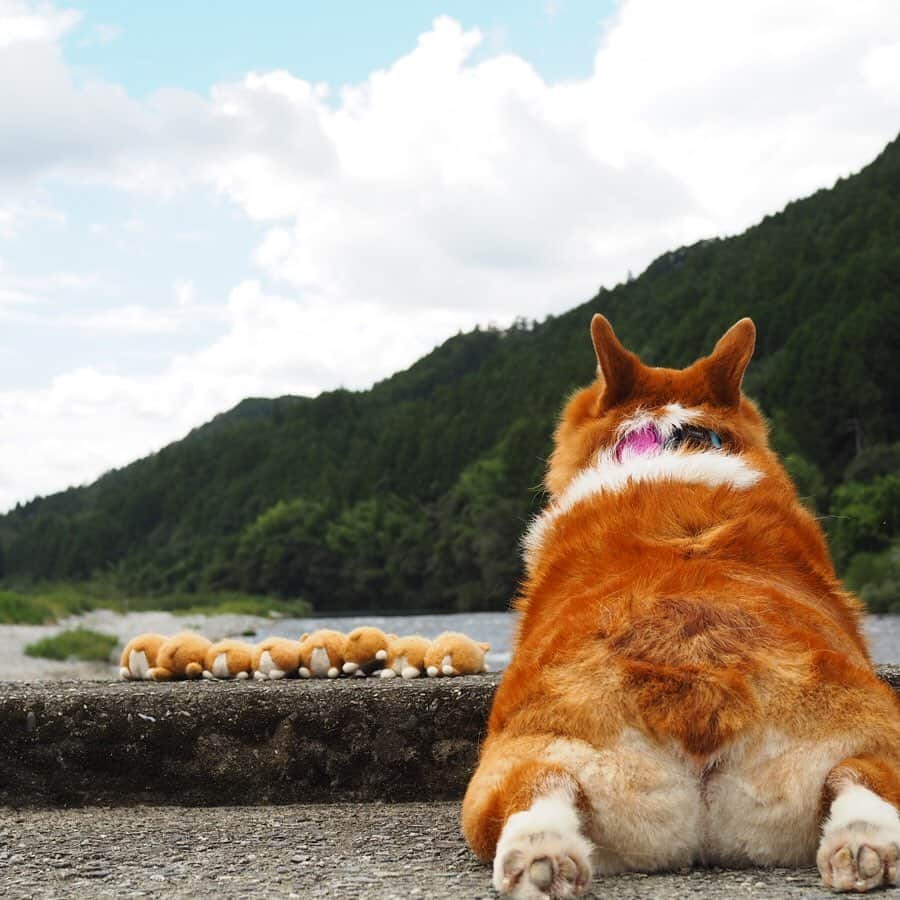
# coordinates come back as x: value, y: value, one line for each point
x: 91, y: 419
x: 185, y: 292
x: 881, y: 68
x: 129, y: 319
x: 438, y: 193
x: 21, y: 23
x: 16, y: 216
x: 101, y: 34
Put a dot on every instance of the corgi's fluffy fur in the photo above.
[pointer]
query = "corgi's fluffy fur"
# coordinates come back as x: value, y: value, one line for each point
x: 689, y: 683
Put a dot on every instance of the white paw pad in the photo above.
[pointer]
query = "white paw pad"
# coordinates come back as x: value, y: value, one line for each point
x: 860, y: 848
x: 859, y: 857
x: 544, y: 864
x: 541, y: 854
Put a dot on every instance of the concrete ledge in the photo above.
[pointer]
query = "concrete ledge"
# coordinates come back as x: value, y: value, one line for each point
x: 207, y: 744
x: 210, y: 743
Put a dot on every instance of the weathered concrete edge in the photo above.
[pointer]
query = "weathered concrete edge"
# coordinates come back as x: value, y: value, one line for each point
x: 201, y: 743
x: 213, y: 743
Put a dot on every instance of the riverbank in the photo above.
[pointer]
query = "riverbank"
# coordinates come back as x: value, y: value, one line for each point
x: 494, y: 627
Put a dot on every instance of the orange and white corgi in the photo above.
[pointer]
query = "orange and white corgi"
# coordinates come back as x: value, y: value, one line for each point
x: 689, y: 682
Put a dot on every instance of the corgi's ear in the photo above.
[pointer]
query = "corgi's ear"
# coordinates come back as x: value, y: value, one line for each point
x: 484, y: 646
x: 726, y: 365
x: 617, y: 365
x: 303, y: 637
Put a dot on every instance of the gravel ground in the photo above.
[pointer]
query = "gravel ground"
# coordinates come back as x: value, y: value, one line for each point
x: 331, y: 851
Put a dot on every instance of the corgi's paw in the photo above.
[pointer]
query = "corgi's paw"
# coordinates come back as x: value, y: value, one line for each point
x: 859, y: 857
x: 543, y: 864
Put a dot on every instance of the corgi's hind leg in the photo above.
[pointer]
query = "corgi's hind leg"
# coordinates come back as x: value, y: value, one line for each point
x: 860, y: 846
x: 527, y: 817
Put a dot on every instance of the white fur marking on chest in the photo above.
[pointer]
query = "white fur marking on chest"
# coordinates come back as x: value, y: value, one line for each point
x: 319, y: 663
x: 137, y: 663
x: 711, y: 468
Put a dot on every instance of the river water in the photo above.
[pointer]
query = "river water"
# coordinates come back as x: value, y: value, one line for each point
x: 496, y: 628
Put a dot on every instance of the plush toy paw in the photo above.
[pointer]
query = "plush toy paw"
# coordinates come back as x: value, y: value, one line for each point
x: 453, y: 653
x: 158, y: 673
x: 365, y: 651
x: 275, y: 658
x: 139, y: 656
x: 322, y: 653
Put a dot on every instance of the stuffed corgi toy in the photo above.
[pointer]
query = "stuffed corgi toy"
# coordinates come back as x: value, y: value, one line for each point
x: 365, y: 651
x: 228, y: 659
x: 452, y: 653
x: 689, y: 682
x: 322, y: 654
x: 181, y: 656
x: 139, y: 656
x: 275, y: 658
x: 406, y: 657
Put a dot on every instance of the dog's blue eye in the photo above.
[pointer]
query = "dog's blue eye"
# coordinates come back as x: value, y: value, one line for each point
x: 715, y: 440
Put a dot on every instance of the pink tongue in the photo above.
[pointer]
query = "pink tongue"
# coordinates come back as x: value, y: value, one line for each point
x: 637, y: 443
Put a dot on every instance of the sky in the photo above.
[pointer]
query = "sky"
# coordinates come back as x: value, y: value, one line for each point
x: 200, y: 203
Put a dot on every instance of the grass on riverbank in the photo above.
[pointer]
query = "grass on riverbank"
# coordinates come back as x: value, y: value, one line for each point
x: 78, y: 643
x: 45, y: 604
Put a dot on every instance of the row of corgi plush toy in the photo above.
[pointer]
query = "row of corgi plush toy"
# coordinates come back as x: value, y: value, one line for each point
x: 321, y: 654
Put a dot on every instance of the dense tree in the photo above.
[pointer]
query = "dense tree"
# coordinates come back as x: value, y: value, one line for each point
x: 413, y: 494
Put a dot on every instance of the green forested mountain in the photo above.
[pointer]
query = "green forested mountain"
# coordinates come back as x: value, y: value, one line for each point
x: 413, y: 494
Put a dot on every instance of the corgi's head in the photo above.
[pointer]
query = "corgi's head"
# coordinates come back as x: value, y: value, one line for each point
x: 633, y: 409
